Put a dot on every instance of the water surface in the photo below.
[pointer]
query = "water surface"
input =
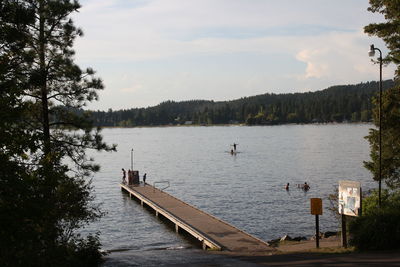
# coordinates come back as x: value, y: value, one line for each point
x: 246, y: 189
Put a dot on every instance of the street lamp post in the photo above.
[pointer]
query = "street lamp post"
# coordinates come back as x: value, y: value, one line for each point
x: 371, y: 53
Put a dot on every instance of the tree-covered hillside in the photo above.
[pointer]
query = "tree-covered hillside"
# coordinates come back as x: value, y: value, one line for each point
x: 334, y: 104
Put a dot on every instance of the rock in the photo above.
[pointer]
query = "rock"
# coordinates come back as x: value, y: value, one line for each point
x: 320, y: 236
x: 299, y: 238
x: 274, y: 242
x: 329, y: 234
x: 286, y: 238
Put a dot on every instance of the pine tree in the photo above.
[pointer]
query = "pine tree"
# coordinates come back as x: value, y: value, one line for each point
x: 389, y: 32
x: 41, y: 88
x: 390, y: 140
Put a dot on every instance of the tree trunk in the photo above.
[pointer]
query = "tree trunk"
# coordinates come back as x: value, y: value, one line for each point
x: 43, y: 82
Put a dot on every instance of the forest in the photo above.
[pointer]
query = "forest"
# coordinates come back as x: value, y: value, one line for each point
x: 342, y: 103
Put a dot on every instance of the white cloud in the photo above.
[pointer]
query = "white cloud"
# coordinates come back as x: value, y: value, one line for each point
x: 133, y: 88
x: 340, y: 56
x: 188, y: 49
x: 314, y: 68
x: 156, y: 29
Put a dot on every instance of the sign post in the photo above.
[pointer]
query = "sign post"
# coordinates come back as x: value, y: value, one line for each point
x: 316, y: 209
x: 344, y: 231
x: 350, y: 203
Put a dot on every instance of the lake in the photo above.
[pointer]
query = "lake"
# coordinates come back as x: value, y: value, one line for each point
x: 245, y: 189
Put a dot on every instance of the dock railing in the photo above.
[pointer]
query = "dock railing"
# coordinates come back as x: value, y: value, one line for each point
x: 161, y: 182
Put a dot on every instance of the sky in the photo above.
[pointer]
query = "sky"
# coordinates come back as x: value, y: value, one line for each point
x: 150, y: 51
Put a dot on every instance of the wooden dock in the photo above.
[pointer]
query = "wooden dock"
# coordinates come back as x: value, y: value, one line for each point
x: 212, y: 232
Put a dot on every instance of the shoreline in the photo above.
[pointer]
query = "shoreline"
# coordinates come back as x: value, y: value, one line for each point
x: 236, y: 125
x: 301, y: 254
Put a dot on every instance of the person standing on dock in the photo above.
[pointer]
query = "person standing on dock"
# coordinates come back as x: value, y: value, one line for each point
x: 144, y: 178
x: 123, y: 176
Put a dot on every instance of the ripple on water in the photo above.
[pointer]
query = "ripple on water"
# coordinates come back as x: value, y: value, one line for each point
x: 245, y: 190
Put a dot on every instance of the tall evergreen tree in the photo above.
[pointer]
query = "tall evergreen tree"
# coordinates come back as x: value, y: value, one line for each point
x: 389, y: 31
x: 45, y: 195
x: 390, y: 140
x: 377, y: 226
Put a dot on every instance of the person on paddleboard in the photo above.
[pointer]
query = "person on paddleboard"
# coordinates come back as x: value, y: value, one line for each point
x: 234, y: 146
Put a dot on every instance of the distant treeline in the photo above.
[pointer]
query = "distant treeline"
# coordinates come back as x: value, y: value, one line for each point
x: 351, y: 103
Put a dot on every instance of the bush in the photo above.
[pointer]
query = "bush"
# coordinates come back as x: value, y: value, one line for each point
x: 84, y: 252
x: 77, y: 252
x: 378, y: 228
x: 390, y: 200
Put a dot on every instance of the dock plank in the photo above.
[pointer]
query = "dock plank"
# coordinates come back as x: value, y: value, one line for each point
x: 216, y: 233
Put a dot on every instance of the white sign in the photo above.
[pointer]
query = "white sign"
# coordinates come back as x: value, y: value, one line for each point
x: 349, y: 198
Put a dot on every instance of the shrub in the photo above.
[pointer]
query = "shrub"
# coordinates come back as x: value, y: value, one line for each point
x: 390, y: 200
x: 378, y: 228
x: 77, y: 252
x: 85, y: 252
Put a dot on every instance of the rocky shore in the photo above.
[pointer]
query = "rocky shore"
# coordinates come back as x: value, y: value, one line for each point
x: 284, y: 239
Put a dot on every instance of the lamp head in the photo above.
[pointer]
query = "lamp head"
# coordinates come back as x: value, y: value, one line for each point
x: 371, y: 51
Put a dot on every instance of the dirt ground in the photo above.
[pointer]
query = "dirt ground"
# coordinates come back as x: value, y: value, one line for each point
x: 289, y: 253
x: 304, y: 253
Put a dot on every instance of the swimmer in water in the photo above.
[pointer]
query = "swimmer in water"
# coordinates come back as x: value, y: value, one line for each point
x: 306, y: 187
x: 287, y: 187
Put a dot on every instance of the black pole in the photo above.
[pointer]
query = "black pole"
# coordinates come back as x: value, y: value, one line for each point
x: 317, y: 230
x: 361, y: 203
x: 380, y: 128
x: 344, y: 232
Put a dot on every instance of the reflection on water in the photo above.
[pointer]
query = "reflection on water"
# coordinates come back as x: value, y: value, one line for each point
x: 245, y: 189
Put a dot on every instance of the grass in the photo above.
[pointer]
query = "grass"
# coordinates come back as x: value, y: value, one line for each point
x: 334, y: 250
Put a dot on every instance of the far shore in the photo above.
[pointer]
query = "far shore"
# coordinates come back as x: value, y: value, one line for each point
x: 235, y: 124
